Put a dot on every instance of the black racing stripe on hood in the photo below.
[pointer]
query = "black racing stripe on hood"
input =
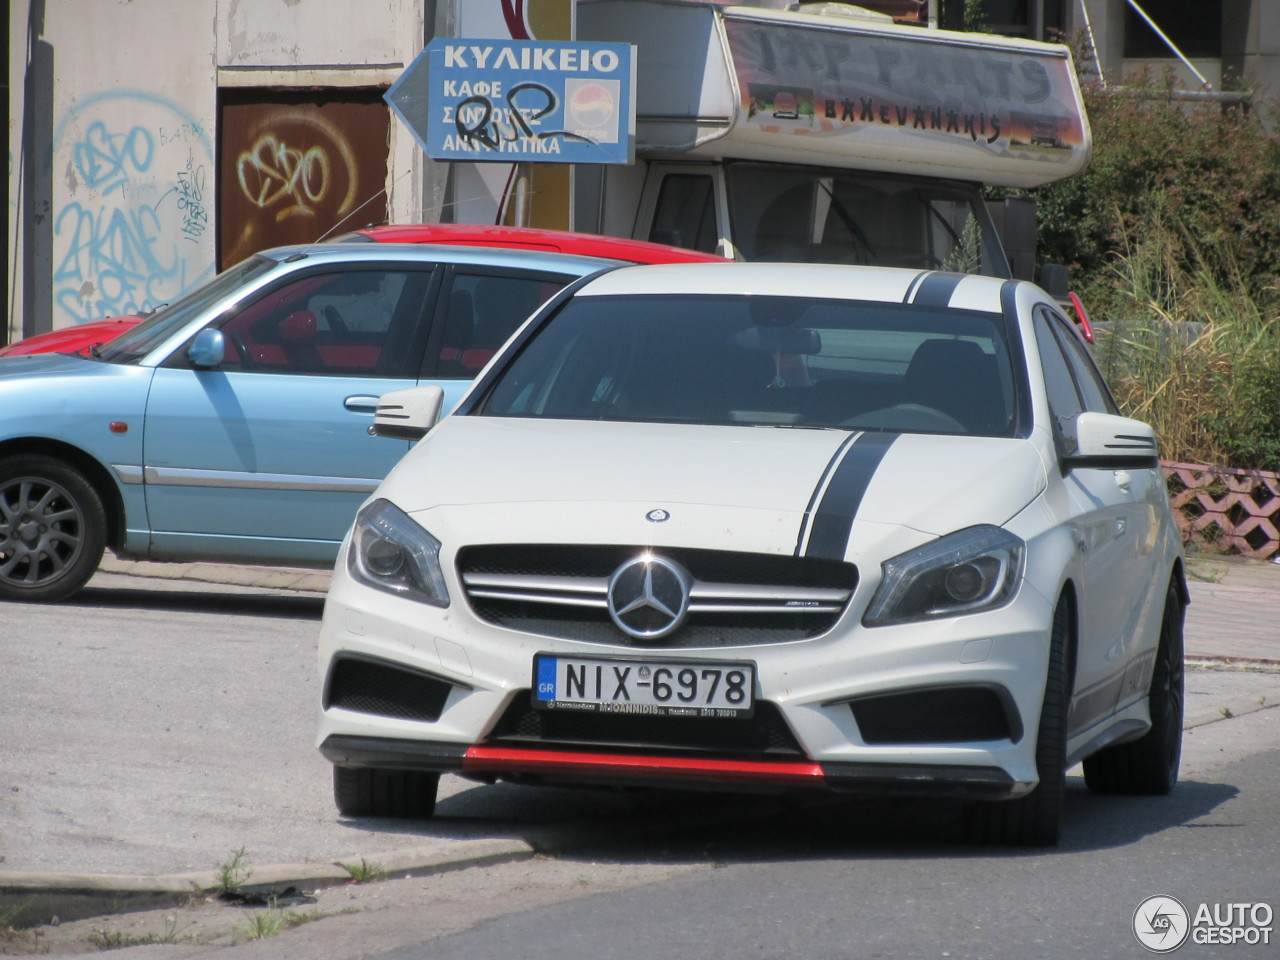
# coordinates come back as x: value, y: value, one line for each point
x: 833, y: 520
x: 936, y: 289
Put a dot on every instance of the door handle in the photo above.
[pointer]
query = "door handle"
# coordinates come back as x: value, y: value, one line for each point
x: 361, y: 404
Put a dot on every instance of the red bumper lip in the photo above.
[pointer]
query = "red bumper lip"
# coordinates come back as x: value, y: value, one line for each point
x: 493, y: 760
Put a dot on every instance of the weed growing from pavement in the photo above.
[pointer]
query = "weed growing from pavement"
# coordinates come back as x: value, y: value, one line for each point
x: 116, y: 939
x: 1226, y: 713
x: 233, y: 872
x: 271, y: 921
x: 366, y: 872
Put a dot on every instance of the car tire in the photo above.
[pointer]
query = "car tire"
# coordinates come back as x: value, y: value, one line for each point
x: 1035, y: 820
x: 1149, y: 766
x: 403, y: 794
x: 53, y: 529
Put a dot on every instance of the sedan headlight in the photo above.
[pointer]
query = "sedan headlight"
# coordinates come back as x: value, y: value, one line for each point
x: 393, y: 553
x: 964, y: 572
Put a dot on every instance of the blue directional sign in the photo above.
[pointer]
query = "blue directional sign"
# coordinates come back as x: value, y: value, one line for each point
x: 520, y: 100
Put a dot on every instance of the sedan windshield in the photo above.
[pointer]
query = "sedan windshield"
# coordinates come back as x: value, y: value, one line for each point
x: 780, y: 361
x: 134, y: 344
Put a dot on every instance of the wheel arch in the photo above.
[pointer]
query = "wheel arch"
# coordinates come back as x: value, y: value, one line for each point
x: 98, y: 475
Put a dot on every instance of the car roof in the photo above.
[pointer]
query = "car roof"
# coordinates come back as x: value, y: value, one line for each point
x: 359, y: 252
x: 809, y: 280
x: 534, y: 238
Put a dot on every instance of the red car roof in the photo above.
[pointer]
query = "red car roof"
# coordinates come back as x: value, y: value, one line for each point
x: 535, y: 238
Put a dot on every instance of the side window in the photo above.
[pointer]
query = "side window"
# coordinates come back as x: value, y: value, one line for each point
x: 1093, y: 388
x: 348, y: 323
x: 481, y: 312
x: 1064, y: 400
x: 685, y: 215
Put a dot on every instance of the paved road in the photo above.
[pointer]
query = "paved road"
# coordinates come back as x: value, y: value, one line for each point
x: 120, y: 758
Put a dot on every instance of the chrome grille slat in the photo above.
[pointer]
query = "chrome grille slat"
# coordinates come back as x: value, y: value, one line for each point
x: 562, y: 591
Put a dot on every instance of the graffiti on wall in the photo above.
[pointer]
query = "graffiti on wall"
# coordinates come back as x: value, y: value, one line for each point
x: 295, y: 172
x: 130, y: 212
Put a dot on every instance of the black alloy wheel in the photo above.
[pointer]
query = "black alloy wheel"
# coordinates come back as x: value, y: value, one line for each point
x: 1035, y: 820
x: 53, y: 529
x: 1149, y: 766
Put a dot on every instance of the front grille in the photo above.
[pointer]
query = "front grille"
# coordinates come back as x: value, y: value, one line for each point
x: 763, y: 735
x: 385, y: 690
x: 736, y: 599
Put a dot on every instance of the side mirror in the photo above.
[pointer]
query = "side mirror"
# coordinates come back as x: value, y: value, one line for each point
x: 208, y: 349
x: 1105, y: 441
x: 407, y: 414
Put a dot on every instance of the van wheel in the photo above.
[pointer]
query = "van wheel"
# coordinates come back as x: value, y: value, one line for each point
x: 1035, y: 820
x: 403, y: 794
x: 53, y: 529
x: 1149, y: 766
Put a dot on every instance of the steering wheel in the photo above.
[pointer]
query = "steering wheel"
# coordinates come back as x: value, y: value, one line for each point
x: 335, y: 319
x: 243, y: 355
x: 907, y: 416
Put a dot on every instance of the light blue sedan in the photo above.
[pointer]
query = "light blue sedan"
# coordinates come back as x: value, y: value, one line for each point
x: 233, y: 425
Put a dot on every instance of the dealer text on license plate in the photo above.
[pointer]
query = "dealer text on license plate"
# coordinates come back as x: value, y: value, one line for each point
x: 663, y: 688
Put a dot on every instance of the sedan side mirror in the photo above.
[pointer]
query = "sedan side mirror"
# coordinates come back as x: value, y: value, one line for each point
x: 208, y: 349
x: 407, y: 414
x: 1105, y: 441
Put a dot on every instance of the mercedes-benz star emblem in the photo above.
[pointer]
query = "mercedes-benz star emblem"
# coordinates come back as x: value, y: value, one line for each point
x: 649, y: 596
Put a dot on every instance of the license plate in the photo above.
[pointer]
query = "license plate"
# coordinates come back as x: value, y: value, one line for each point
x: 656, y: 688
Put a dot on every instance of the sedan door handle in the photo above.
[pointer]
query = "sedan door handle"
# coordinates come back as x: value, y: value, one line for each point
x: 360, y: 404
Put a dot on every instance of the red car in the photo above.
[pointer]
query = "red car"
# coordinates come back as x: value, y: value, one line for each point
x: 83, y: 337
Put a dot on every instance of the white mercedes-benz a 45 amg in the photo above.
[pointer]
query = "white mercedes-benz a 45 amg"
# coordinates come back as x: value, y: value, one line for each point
x: 766, y: 527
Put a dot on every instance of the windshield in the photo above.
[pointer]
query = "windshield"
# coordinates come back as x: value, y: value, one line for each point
x: 737, y: 359
x: 798, y: 214
x: 134, y: 344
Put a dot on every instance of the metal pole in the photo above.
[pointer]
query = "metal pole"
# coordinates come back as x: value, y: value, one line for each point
x: 1171, y: 45
x: 1088, y: 29
x: 524, y: 171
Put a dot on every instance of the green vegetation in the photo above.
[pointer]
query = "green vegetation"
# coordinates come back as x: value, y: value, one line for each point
x: 105, y: 939
x: 364, y: 873
x: 233, y: 872
x: 273, y: 920
x: 1173, y: 239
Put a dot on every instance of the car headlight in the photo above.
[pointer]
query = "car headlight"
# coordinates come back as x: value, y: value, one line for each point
x: 964, y: 572
x: 393, y: 553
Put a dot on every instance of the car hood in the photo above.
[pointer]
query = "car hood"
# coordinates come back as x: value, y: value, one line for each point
x: 47, y: 365
x: 760, y: 489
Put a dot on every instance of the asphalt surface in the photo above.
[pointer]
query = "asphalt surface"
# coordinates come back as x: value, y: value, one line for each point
x: 1233, y: 652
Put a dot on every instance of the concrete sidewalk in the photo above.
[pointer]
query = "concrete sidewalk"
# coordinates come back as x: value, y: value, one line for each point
x: 1233, y: 653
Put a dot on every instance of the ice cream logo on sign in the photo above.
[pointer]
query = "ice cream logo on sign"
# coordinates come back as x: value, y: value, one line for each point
x: 592, y: 107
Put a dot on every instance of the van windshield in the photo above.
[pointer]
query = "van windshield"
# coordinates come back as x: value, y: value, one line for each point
x: 824, y: 216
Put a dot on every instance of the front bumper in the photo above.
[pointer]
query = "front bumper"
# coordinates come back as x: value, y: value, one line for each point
x: 577, y: 767
x: 942, y: 708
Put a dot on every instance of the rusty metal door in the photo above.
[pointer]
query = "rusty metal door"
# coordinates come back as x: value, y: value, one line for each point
x: 298, y: 167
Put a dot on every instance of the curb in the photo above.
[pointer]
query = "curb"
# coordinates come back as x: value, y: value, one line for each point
x: 33, y: 899
x: 298, y: 579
